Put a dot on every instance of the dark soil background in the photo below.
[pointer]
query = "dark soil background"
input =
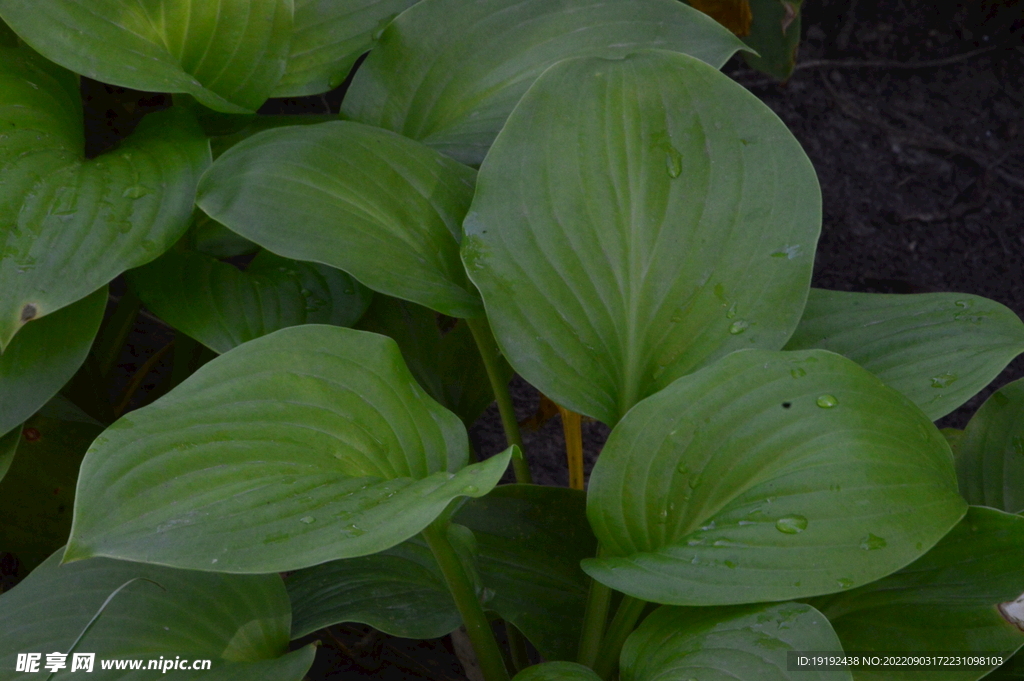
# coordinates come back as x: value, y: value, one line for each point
x: 912, y: 112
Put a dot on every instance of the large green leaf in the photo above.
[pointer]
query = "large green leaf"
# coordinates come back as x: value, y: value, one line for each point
x: 990, y: 453
x: 38, y: 493
x: 222, y: 306
x: 938, y: 349
x: 45, y: 355
x: 768, y: 476
x: 382, y: 207
x: 228, y: 54
x: 557, y: 671
x: 440, y: 352
x: 749, y: 643
x: 328, y: 38
x: 966, y: 595
x: 775, y: 35
x: 67, y: 225
x: 307, y: 445
x: 610, y: 269
x: 237, y: 622
x: 455, y: 94
x: 399, y: 591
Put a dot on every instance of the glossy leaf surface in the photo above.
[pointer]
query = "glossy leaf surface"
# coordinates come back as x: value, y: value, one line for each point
x: 990, y: 453
x: 455, y: 95
x: 222, y: 306
x: 965, y: 595
x: 37, y: 495
x: 44, y: 356
x: 746, y: 644
x: 609, y: 270
x: 68, y: 225
x: 938, y: 349
x: 756, y: 479
x: 307, y: 445
x: 228, y: 54
x: 383, y: 208
x: 440, y: 352
x: 557, y: 671
x: 328, y: 38
x: 238, y: 622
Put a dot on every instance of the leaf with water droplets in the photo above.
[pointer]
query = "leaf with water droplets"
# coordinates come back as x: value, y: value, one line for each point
x: 959, y: 598
x: 619, y: 278
x: 66, y: 229
x: 707, y: 493
x: 990, y: 452
x: 938, y: 349
x: 312, y: 420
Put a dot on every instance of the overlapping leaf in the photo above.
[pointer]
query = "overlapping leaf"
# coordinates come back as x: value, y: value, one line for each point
x: 223, y: 307
x: 67, y: 225
x: 964, y: 596
x: 938, y: 349
x: 748, y: 643
x: 557, y: 671
x: 756, y: 479
x: 379, y: 206
x: 44, y: 356
x: 310, y: 444
x: 775, y: 35
x: 455, y: 95
x: 238, y: 622
x: 328, y: 38
x: 990, y: 453
x: 635, y: 220
x: 228, y: 54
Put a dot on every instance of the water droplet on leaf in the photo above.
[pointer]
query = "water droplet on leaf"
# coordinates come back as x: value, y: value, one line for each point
x: 826, y: 401
x: 791, y: 524
x: 872, y: 543
x: 738, y: 327
x: 797, y: 373
x: 307, y: 520
x: 943, y: 380
x: 470, y: 489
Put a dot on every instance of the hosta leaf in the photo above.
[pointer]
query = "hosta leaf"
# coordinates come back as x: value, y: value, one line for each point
x: 328, y: 38
x: 609, y: 270
x: 67, y: 225
x: 399, y: 591
x: 775, y: 35
x: 756, y: 479
x: 379, y: 206
x: 222, y: 306
x: 557, y: 671
x: 963, y: 596
x: 8, y: 448
x: 238, y: 622
x: 309, y: 444
x: 938, y: 349
x: 747, y: 643
x: 228, y: 54
x: 45, y: 355
x: 440, y: 352
x: 990, y: 453
x: 210, y: 237
x: 38, y: 493
x: 455, y: 95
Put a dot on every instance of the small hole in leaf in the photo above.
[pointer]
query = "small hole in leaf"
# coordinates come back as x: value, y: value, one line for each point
x: 787, y: 405
x: 28, y: 312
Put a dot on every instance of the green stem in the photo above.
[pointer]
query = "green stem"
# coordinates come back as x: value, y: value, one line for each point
x: 489, y: 352
x: 114, y: 333
x: 619, y: 630
x: 517, y: 644
x: 594, y: 620
x: 461, y: 586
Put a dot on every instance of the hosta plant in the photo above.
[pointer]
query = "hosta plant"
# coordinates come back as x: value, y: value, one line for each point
x: 566, y: 189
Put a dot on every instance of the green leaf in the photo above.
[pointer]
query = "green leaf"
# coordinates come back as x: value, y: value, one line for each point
x: 238, y: 622
x: 775, y: 35
x: 965, y: 595
x: 8, y: 448
x: 938, y: 349
x: 747, y: 643
x: 990, y: 453
x: 44, y: 356
x: 68, y: 225
x: 38, y: 493
x: 228, y: 54
x: 328, y: 38
x: 609, y: 270
x: 399, y: 591
x: 440, y: 352
x: 557, y: 671
x: 382, y: 207
x: 531, y: 540
x: 210, y: 237
x: 223, y: 307
x: 455, y: 95
x: 756, y: 479
x: 307, y: 445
